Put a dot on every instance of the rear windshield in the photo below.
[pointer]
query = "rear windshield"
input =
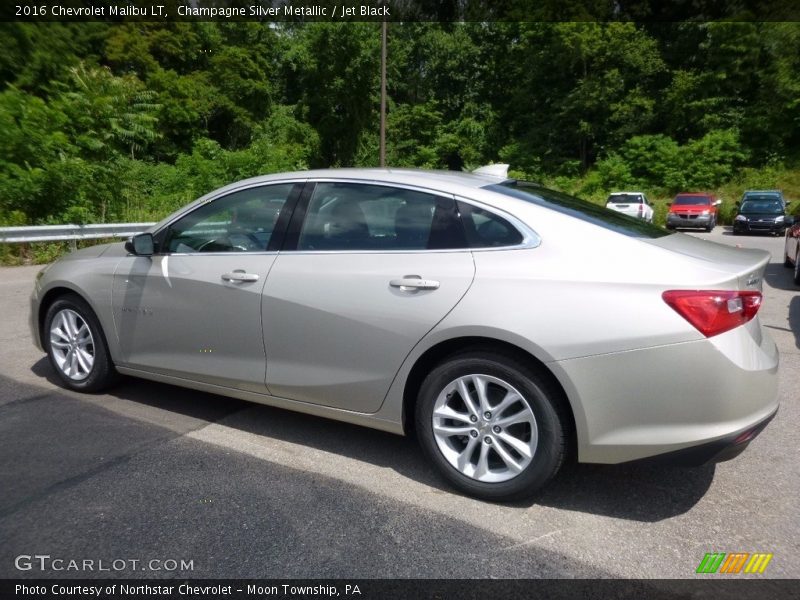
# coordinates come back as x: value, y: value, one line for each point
x: 692, y: 200
x: 625, y: 199
x: 769, y: 207
x: 579, y: 209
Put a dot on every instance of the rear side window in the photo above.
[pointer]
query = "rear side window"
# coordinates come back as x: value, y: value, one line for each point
x: 354, y: 216
x: 579, y: 209
x: 485, y: 229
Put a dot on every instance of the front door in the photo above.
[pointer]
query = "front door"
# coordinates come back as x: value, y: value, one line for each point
x: 193, y: 310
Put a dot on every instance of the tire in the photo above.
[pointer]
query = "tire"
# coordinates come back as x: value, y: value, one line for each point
x: 71, y: 329
x: 534, y: 420
x: 797, y: 268
x: 786, y: 261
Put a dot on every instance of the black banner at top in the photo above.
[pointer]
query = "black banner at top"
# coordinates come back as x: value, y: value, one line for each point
x: 399, y: 10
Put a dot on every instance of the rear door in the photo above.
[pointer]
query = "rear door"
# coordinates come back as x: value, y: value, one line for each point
x: 366, y: 272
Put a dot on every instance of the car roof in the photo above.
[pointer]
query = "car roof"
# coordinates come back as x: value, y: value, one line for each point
x: 431, y: 178
x: 694, y: 194
x: 621, y: 193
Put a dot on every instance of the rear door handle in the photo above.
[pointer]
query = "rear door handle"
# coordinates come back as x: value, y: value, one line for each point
x: 413, y: 282
x: 239, y: 276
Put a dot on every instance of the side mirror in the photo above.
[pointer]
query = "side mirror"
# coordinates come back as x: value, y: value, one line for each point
x: 140, y: 244
x: 789, y: 220
x: 718, y: 202
x: 738, y: 203
x: 669, y: 203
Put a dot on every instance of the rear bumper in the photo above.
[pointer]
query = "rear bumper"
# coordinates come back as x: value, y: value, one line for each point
x: 720, y: 450
x: 693, y: 398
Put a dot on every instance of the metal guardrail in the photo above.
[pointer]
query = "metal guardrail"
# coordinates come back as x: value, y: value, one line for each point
x: 70, y: 233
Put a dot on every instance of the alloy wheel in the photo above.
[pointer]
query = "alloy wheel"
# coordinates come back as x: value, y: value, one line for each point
x: 72, y: 344
x: 484, y: 428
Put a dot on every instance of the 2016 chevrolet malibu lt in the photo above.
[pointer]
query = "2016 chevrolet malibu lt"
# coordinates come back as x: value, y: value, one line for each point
x: 507, y: 325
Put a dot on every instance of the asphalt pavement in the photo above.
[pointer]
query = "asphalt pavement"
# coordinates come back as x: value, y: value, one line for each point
x: 172, y: 483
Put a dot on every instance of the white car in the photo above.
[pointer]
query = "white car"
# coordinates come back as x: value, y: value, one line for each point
x: 633, y: 204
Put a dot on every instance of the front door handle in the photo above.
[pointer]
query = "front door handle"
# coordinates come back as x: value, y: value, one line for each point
x: 239, y: 276
x: 414, y: 282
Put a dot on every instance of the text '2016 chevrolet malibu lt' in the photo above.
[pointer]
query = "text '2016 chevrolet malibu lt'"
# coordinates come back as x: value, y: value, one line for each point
x: 508, y: 325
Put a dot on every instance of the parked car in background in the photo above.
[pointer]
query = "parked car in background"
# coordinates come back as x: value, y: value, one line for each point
x: 634, y: 204
x: 791, y: 247
x: 692, y: 209
x: 760, y: 214
x: 764, y: 195
x: 455, y: 306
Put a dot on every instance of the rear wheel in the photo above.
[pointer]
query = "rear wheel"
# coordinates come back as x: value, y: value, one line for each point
x: 493, y: 427
x: 76, y: 346
x: 797, y: 268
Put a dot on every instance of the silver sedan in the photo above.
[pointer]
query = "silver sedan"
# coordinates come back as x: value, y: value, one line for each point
x: 509, y: 326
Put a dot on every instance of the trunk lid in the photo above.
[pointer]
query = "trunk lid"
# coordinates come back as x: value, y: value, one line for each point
x: 747, y: 265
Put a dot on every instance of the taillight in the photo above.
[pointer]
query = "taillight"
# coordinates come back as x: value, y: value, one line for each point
x: 641, y: 208
x: 714, y: 311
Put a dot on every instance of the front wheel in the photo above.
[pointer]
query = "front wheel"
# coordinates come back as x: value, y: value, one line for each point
x: 75, y: 344
x: 493, y: 427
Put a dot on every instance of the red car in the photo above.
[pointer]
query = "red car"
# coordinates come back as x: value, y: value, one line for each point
x: 693, y: 210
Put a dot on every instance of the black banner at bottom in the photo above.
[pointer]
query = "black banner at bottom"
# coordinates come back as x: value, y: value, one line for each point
x: 433, y: 589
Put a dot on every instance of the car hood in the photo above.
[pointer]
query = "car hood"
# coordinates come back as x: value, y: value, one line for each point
x: 113, y: 249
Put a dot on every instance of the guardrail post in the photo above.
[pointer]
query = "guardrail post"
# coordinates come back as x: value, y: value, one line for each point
x: 73, y: 245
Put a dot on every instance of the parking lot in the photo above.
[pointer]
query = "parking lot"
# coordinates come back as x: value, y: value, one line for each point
x: 151, y: 472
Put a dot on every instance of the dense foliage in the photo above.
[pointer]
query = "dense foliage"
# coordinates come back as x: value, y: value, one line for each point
x: 125, y: 122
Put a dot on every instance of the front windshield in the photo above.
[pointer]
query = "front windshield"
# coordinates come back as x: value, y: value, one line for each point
x: 579, y: 209
x: 692, y: 200
x: 766, y: 207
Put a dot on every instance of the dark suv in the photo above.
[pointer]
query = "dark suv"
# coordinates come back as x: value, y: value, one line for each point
x: 760, y: 214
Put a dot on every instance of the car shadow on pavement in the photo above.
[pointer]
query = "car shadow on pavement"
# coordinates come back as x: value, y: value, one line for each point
x: 634, y: 492
x: 779, y: 277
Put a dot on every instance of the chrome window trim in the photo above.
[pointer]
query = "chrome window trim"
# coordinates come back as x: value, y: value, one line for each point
x: 530, y: 239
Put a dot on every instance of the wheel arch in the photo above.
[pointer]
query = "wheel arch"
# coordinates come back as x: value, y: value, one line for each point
x: 445, y: 349
x: 51, y: 295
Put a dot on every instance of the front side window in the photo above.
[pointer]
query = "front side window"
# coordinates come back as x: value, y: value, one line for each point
x: 242, y: 221
x: 350, y: 216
